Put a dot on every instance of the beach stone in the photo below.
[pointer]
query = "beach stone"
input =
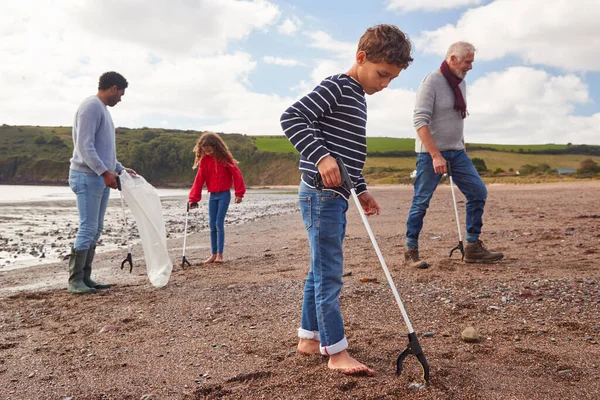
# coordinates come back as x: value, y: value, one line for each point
x: 110, y: 328
x: 565, y: 372
x: 470, y: 335
x: 429, y: 334
x: 575, y: 310
x: 416, y: 386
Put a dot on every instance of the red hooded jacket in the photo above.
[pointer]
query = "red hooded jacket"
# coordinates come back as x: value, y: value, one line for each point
x: 218, y: 178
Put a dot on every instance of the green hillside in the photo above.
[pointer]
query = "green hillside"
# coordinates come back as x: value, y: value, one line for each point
x: 33, y: 154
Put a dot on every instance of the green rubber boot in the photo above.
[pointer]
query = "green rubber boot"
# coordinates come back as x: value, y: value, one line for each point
x: 87, y: 271
x: 76, y: 263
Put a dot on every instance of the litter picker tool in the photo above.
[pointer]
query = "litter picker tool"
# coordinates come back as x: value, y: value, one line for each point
x: 413, y: 347
x: 460, y: 246
x: 184, y: 260
x: 127, y: 259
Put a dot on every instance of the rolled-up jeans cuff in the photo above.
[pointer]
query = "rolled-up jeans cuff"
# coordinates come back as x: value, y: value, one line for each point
x: 304, y: 334
x: 334, y: 348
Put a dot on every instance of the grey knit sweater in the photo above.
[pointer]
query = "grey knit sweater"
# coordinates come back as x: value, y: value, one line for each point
x: 94, y: 149
x: 435, y: 107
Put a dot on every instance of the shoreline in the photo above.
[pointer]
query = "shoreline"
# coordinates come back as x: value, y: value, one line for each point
x: 36, y: 233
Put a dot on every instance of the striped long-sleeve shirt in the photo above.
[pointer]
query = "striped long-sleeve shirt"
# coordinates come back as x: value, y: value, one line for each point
x: 330, y: 120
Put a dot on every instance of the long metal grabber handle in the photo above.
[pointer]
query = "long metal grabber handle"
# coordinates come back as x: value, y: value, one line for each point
x: 413, y: 347
x: 347, y: 183
x: 382, y: 261
x: 127, y: 259
x: 184, y: 260
x: 460, y: 246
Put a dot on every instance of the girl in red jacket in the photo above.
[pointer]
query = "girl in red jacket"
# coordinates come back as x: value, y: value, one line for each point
x: 218, y: 169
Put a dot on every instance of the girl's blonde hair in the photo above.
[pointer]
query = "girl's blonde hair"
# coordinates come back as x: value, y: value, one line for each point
x: 222, y: 153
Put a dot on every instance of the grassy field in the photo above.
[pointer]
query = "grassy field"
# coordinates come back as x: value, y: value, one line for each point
x: 493, y: 160
x: 280, y: 144
x: 522, y: 147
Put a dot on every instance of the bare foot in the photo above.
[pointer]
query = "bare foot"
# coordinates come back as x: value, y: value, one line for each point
x: 219, y: 258
x: 348, y: 365
x: 210, y: 259
x: 308, y: 346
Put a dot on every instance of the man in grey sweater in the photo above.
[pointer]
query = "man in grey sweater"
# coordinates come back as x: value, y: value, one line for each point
x: 439, y: 115
x: 93, y: 171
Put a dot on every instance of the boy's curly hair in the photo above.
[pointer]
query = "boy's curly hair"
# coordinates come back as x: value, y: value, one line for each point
x: 386, y: 43
x: 222, y: 153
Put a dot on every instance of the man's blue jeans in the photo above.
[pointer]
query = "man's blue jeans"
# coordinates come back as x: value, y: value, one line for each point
x: 218, y: 204
x: 92, y: 199
x: 467, y: 179
x: 324, y: 216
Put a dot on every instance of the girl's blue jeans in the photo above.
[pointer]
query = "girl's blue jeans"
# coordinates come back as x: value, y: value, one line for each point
x: 467, y: 179
x: 218, y: 204
x: 92, y: 199
x: 324, y: 216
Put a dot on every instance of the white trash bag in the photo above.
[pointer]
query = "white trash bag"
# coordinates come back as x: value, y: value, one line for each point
x: 142, y: 198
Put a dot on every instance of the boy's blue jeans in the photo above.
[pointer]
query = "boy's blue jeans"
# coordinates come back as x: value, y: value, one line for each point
x: 218, y: 204
x: 92, y: 199
x: 467, y: 179
x: 324, y: 216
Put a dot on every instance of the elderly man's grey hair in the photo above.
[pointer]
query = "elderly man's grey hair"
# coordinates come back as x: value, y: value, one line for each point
x: 460, y: 50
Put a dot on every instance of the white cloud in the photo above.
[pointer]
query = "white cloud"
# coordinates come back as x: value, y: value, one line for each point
x: 558, y: 33
x: 290, y: 26
x: 177, y: 26
x: 391, y: 113
x: 284, y: 62
x: 428, y: 5
x: 323, y: 41
x: 525, y: 105
x: 55, y: 62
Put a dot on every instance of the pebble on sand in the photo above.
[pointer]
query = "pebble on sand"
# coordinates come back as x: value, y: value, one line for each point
x: 470, y: 335
x: 110, y: 328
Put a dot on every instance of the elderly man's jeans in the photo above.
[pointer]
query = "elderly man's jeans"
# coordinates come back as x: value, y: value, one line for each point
x: 92, y: 199
x: 324, y: 216
x: 218, y: 204
x: 465, y: 177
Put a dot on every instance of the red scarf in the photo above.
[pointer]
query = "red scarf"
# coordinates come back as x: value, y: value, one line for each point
x: 454, y: 82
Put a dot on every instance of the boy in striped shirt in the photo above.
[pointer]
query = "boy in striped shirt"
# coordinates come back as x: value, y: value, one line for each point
x: 327, y: 123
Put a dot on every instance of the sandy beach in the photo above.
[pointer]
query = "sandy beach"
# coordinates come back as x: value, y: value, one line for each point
x: 229, y: 331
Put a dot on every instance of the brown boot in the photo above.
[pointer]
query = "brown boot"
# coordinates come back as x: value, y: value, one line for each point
x: 477, y: 253
x: 411, y: 258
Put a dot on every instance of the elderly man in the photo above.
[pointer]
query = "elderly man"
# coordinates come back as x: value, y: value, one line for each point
x: 439, y: 115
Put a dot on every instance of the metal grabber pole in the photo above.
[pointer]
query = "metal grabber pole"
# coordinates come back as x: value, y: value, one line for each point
x: 127, y: 259
x: 184, y: 260
x: 413, y: 347
x: 460, y: 246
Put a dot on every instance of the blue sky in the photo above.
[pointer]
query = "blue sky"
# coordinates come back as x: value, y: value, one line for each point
x: 234, y: 66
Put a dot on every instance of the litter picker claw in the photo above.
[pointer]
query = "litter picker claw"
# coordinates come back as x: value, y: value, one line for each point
x: 413, y: 347
x: 127, y: 259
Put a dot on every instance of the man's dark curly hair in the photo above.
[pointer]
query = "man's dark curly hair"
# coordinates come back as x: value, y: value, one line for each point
x: 386, y: 43
x: 111, y: 78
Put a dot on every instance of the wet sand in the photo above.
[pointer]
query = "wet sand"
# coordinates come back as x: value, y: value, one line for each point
x: 37, y: 233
